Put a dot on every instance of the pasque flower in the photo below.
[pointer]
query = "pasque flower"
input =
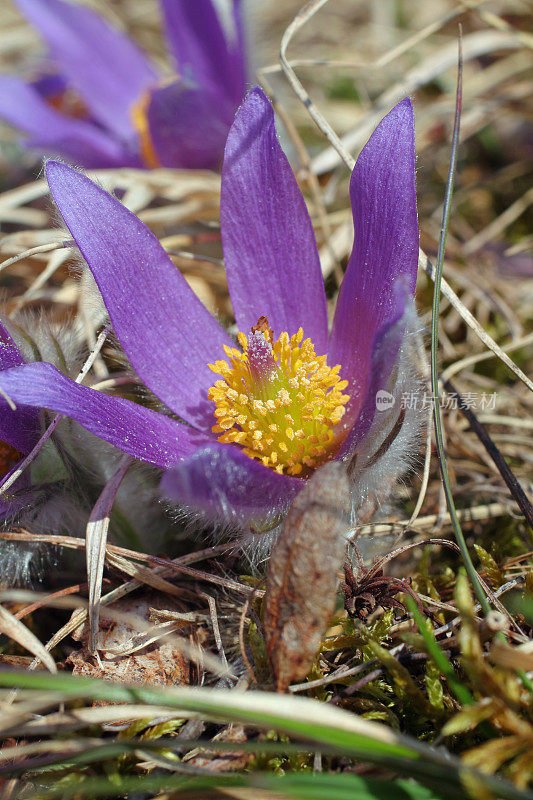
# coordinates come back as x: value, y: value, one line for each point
x: 103, y: 104
x: 256, y: 417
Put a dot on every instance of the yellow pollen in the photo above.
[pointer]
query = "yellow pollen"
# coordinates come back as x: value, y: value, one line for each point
x: 281, y: 406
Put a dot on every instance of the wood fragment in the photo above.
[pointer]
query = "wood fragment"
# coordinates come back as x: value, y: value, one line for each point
x: 303, y: 574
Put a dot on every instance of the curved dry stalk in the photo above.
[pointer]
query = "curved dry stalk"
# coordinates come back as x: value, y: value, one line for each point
x: 300, y: 19
x: 95, y: 545
x: 42, y: 248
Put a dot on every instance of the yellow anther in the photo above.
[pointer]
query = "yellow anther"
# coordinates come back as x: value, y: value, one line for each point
x: 252, y: 402
x: 225, y: 423
x: 259, y: 406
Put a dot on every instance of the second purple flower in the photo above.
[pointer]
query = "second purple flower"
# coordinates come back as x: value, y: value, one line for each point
x: 100, y: 103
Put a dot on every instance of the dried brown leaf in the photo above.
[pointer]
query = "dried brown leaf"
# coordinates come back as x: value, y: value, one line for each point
x: 303, y: 574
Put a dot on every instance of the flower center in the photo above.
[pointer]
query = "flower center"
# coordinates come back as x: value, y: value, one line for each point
x: 8, y: 458
x: 278, y: 400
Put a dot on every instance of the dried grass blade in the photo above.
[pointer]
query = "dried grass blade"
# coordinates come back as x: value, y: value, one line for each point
x: 141, y: 640
x: 300, y: 19
x: 42, y: 248
x: 147, y: 576
x: 95, y: 547
x: 16, y: 630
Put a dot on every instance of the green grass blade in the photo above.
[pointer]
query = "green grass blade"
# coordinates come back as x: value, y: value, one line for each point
x: 305, y: 786
x: 472, y: 574
x: 298, y: 717
x: 440, y: 658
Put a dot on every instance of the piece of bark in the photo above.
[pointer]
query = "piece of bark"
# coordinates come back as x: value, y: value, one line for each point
x: 303, y: 573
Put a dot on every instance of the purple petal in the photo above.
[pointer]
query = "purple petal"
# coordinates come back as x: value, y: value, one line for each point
x: 168, y: 335
x: 10, y: 355
x: 227, y: 486
x: 383, y: 196
x: 18, y: 428
x: 139, y: 431
x: 385, y: 349
x: 204, y: 52
x: 188, y: 126
x: 79, y: 140
x: 103, y: 65
x: 270, y: 250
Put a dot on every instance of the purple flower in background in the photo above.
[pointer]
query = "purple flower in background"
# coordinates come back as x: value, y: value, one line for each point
x: 292, y: 395
x: 104, y: 105
x: 20, y: 428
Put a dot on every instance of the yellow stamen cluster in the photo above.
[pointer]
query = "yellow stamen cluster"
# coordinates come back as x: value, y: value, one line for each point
x: 285, y: 418
x: 8, y: 458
